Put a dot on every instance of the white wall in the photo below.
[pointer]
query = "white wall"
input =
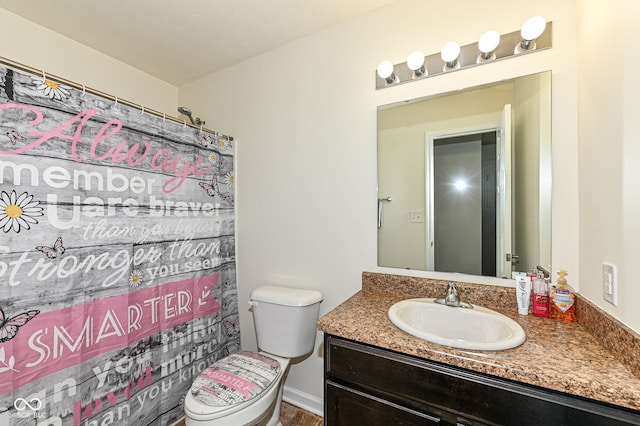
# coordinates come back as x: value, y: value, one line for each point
x: 37, y: 47
x: 609, y: 152
x: 304, y: 116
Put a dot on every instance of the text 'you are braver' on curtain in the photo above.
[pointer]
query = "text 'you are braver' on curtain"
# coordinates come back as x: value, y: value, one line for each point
x: 117, y: 258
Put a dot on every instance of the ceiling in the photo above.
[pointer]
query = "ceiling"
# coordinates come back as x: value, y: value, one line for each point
x: 179, y: 41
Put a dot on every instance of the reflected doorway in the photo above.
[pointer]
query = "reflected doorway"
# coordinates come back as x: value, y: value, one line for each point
x: 464, y: 200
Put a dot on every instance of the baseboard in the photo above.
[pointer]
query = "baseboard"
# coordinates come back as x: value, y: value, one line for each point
x: 303, y: 400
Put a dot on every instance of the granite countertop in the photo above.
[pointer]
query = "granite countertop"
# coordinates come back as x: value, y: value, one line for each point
x: 556, y: 355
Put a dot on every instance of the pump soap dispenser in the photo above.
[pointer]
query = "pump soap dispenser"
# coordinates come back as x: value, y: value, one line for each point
x: 540, y: 298
x: 562, y: 301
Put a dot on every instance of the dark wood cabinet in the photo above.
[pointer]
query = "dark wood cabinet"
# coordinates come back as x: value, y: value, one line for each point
x: 359, y: 408
x: 367, y: 385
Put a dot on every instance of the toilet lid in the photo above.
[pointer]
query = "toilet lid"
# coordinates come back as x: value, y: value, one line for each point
x: 235, y: 379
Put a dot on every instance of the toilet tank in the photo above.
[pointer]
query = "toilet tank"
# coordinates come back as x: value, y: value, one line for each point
x: 285, y: 319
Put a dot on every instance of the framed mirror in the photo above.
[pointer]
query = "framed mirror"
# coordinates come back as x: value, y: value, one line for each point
x: 464, y: 180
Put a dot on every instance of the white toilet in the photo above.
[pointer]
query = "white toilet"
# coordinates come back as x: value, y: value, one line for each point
x: 246, y: 388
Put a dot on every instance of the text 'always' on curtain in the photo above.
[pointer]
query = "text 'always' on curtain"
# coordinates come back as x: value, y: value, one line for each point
x: 117, y: 258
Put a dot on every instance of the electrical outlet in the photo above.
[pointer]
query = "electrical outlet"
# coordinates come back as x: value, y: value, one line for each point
x: 610, y: 283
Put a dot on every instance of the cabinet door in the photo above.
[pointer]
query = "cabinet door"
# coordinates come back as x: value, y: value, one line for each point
x: 349, y: 407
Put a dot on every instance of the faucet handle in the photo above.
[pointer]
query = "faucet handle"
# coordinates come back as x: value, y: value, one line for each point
x: 452, y: 298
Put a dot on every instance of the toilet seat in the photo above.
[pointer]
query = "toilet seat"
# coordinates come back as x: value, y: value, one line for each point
x: 235, y: 379
x: 234, y: 376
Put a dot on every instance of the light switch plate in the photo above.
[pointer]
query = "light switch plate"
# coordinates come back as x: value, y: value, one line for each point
x: 610, y: 283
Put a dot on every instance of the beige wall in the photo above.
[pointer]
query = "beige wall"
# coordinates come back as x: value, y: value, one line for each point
x: 304, y: 116
x: 609, y: 153
x: 40, y: 48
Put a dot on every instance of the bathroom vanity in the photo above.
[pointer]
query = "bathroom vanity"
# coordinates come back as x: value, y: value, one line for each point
x: 375, y: 374
x: 367, y: 385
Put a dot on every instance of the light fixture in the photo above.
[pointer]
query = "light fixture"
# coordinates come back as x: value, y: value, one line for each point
x: 415, y: 62
x: 487, y: 45
x: 534, y: 36
x: 449, y: 55
x: 385, y: 71
x: 531, y: 30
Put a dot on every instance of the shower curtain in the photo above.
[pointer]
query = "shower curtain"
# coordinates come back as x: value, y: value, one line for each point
x: 117, y: 258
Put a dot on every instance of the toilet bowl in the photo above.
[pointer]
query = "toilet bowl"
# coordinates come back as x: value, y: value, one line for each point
x: 246, y: 388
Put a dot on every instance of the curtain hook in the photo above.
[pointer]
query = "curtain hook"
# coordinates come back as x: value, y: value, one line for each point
x: 164, y: 116
x: 200, y: 128
x: 184, y: 125
x: 116, y: 100
x: 142, y: 109
x: 44, y: 76
x: 84, y: 91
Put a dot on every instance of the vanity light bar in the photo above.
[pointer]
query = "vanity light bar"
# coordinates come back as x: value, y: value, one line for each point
x: 510, y: 45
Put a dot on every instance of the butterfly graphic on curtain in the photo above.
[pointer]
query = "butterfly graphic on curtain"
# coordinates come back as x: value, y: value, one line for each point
x: 9, y: 327
x: 14, y: 137
x: 213, y: 189
x: 232, y: 327
x: 230, y: 349
x: 53, y: 252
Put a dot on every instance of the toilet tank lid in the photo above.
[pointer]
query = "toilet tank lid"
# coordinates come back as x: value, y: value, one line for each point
x: 286, y: 295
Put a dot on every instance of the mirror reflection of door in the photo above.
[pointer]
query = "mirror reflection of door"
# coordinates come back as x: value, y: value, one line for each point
x: 468, y: 189
x: 464, y: 192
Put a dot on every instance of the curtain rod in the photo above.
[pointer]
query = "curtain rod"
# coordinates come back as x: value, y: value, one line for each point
x: 25, y: 68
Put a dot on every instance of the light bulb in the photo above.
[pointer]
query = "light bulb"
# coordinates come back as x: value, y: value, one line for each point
x: 489, y: 41
x: 415, y: 60
x: 385, y: 69
x: 460, y: 185
x: 450, y: 52
x: 533, y: 28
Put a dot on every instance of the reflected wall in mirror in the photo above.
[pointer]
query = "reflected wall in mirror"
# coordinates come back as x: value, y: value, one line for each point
x: 468, y: 175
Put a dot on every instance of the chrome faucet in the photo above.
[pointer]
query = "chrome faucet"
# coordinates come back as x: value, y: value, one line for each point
x: 452, y: 298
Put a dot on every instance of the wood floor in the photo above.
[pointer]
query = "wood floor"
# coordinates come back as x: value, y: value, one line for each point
x: 290, y: 415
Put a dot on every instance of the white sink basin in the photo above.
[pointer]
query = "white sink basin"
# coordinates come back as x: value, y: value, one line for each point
x: 478, y: 328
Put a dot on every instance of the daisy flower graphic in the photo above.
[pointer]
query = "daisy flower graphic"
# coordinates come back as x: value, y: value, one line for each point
x: 17, y: 212
x: 213, y: 158
x: 135, y: 278
x: 224, y: 144
x: 228, y: 179
x: 51, y: 89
